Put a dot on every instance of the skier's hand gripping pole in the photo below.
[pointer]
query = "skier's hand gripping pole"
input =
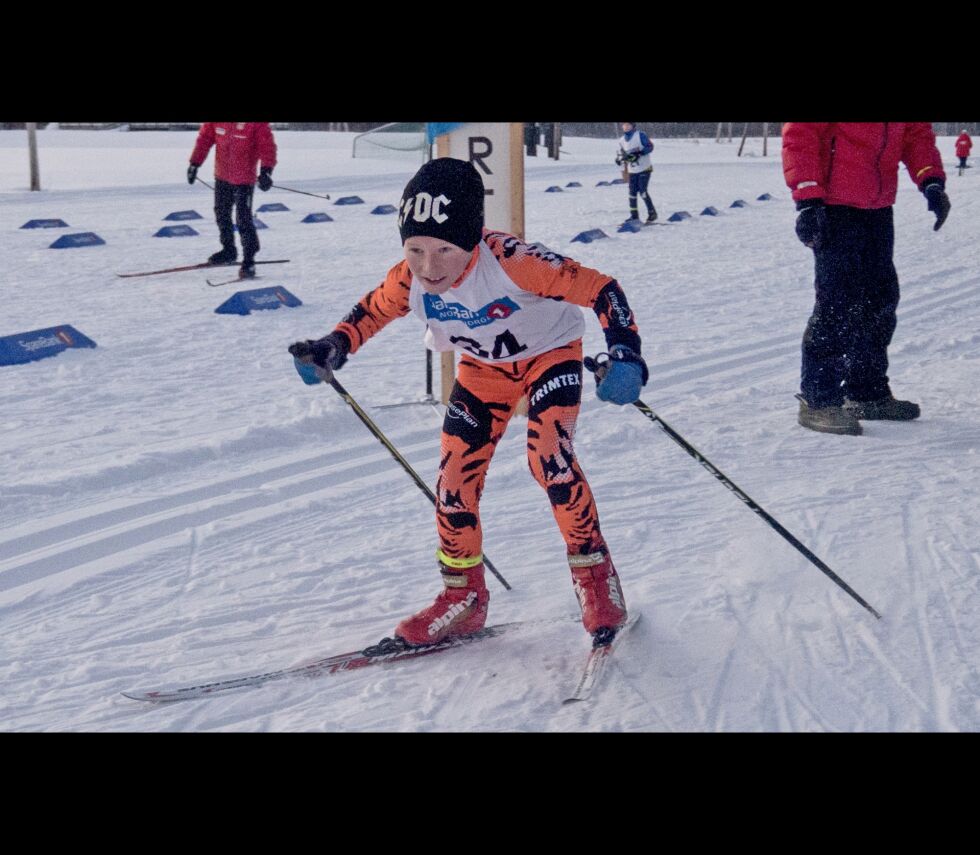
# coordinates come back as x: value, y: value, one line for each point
x: 303, y: 357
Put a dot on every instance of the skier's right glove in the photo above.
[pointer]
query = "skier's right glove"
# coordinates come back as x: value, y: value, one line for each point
x: 316, y: 361
x: 811, y: 224
x: 191, y: 174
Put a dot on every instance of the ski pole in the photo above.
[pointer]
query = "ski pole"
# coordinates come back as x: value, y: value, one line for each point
x: 371, y: 426
x: 599, y: 368
x: 290, y: 189
x: 205, y: 183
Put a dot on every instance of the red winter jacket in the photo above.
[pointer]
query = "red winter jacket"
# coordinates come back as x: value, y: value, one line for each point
x: 239, y: 148
x: 856, y: 163
x: 963, y: 145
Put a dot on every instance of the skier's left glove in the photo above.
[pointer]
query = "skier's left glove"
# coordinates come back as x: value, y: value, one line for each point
x: 191, y: 174
x: 265, y: 178
x: 935, y: 190
x: 317, y: 360
x: 620, y: 376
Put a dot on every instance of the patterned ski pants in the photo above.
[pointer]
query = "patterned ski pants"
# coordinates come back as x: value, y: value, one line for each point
x: 481, y: 404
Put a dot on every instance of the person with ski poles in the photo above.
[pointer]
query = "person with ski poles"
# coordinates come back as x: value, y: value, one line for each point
x: 844, y: 180
x: 239, y: 148
x: 511, y: 309
x: 634, y: 152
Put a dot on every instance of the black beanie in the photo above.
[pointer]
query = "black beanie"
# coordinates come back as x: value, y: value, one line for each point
x: 444, y: 200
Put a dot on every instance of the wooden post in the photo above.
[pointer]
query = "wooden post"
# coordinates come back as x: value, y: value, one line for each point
x: 496, y: 149
x: 745, y: 133
x: 32, y: 149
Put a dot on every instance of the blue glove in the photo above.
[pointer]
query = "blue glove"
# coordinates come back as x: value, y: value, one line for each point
x: 625, y: 374
x: 317, y: 360
x: 312, y: 374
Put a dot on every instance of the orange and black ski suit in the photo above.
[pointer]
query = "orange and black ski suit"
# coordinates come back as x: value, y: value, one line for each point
x: 513, y: 300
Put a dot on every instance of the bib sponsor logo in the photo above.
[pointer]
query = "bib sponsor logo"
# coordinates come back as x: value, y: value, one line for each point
x: 439, y: 310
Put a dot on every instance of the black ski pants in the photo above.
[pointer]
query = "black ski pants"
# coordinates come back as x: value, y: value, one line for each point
x: 239, y: 197
x: 845, y: 346
x: 639, y: 182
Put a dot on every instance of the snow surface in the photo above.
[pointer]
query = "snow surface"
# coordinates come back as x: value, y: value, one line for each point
x: 176, y: 505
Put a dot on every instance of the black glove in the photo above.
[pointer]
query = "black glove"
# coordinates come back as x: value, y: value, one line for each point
x: 935, y: 190
x: 265, y: 178
x: 619, y: 158
x: 191, y: 174
x: 811, y: 224
x: 328, y: 352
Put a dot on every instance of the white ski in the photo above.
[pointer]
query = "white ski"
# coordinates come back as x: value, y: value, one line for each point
x: 595, y: 665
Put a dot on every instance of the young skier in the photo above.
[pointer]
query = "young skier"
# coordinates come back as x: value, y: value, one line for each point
x: 239, y: 148
x: 634, y: 154
x: 511, y: 310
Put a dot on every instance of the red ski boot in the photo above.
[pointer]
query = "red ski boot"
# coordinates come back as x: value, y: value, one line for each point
x: 460, y: 609
x: 599, y: 593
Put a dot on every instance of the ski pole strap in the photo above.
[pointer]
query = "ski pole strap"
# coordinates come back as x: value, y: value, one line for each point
x: 458, y: 563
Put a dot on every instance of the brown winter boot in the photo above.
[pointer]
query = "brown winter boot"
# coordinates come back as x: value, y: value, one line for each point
x: 828, y: 419
x: 884, y: 408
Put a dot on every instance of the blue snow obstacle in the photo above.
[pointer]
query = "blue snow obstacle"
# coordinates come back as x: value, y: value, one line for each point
x: 385, y: 209
x: 589, y: 236
x: 618, y: 181
x: 244, y: 302
x: 573, y: 184
x: 739, y: 203
x: 271, y: 206
x: 602, y: 184
x: 45, y: 224
x: 632, y: 226
x: 39, y: 344
x: 709, y: 212
x: 349, y: 200
x: 554, y: 189
x: 183, y: 215
x: 319, y: 217
x: 176, y: 231
x: 678, y: 216
x: 78, y: 239
x: 765, y: 197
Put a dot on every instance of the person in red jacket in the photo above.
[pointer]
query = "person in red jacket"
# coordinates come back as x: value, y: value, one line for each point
x: 844, y: 177
x: 239, y: 148
x: 963, y: 146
